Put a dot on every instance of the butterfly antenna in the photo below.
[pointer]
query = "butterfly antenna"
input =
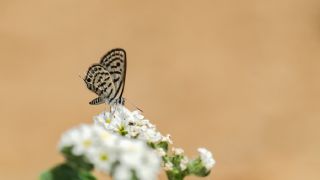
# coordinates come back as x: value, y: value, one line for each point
x: 81, y: 77
x: 134, y: 105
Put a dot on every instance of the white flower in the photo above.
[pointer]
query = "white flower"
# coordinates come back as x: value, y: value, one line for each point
x: 161, y: 152
x: 150, y: 135
x: 177, y: 151
x: 130, y: 124
x: 122, y: 173
x: 137, y: 115
x: 106, y: 138
x: 183, y: 163
x: 167, y: 138
x: 206, y: 158
x: 138, y: 156
x: 67, y: 139
x: 102, y: 158
x: 149, y: 167
x: 132, y: 152
x: 168, y: 166
x: 80, y: 138
x: 106, y: 150
x: 102, y: 119
x: 133, y: 131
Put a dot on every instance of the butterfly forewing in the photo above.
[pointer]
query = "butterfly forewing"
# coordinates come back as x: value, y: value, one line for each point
x: 115, y: 63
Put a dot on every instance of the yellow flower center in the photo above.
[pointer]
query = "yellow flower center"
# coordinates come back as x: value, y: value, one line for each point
x: 87, y: 143
x: 104, y: 157
x: 108, y: 120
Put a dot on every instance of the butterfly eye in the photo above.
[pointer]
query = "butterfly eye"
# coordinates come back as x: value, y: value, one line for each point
x: 99, y: 69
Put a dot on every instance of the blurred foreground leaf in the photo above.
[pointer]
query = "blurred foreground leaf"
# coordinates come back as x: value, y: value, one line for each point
x: 66, y: 172
x: 77, y: 162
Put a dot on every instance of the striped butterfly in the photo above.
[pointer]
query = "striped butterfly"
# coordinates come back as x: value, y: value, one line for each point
x: 107, y: 78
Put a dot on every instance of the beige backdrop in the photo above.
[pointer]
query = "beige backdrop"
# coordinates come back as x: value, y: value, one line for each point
x: 238, y: 77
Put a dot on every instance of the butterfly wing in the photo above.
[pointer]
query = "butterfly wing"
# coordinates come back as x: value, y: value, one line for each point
x: 115, y: 63
x: 99, y: 81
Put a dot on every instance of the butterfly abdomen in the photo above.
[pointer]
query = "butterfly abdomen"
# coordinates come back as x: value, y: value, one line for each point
x: 97, y: 101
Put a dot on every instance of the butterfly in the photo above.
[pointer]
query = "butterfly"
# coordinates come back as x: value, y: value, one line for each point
x: 107, y: 79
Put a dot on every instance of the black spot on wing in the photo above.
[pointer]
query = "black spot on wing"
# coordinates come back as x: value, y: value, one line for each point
x: 115, y: 72
x: 116, y: 79
x: 102, y: 84
x: 109, y: 62
x: 109, y: 94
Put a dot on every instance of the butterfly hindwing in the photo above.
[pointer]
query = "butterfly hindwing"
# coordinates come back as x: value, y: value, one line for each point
x: 99, y: 81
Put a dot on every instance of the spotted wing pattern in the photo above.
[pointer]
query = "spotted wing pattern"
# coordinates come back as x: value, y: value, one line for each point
x: 107, y: 79
x: 99, y: 81
x: 115, y: 63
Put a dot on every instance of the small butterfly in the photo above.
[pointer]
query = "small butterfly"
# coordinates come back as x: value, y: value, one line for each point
x: 107, y: 78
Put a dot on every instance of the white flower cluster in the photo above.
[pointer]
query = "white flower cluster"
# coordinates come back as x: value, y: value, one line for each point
x: 184, y: 160
x: 206, y: 158
x: 130, y: 124
x: 127, y: 146
x: 111, y: 153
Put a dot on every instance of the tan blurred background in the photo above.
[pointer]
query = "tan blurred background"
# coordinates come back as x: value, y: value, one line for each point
x: 241, y: 78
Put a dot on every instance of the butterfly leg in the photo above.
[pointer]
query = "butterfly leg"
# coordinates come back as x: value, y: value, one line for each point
x: 107, y: 109
x: 113, y: 110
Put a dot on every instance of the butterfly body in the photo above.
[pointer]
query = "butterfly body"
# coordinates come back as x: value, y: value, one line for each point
x: 107, y: 79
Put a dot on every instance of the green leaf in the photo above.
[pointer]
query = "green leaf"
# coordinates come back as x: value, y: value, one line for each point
x: 196, y: 167
x: 77, y: 162
x: 175, y: 174
x: 134, y: 175
x: 46, y: 176
x: 85, y: 175
x: 151, y: 145
x: 66, y: 172
x: 163, y: 144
